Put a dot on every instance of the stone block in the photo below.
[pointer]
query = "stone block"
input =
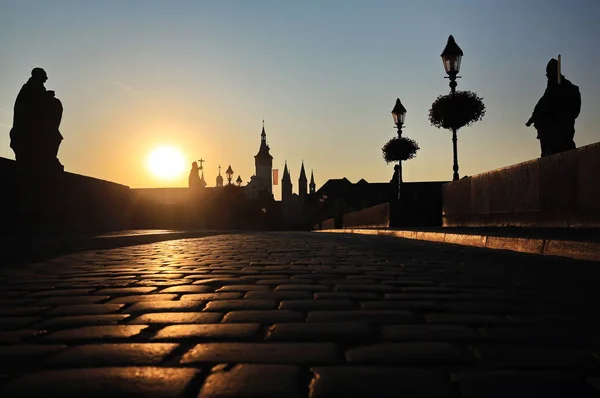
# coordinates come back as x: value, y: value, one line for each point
x: 338, y: 331
x: 96, y: 333
x: 164, y: 306
x: 249, y: 381
x: 178, y: 317
x: 468, y: 319
x: 274, y: 353
x: 264, y: 317
x: 311, y: 305
x: 243, y: 288
x: 210, y: 332
x: 112, y: 355
x: 240, y: 305
x: 371, y: 316
x: 280, y: 295
x: 414, y: 353
x: 142, y: 297
x: 428, y: 333
x: 187, y: 289
x: 84, y: 309
x: 211, y: 296
x: 62, y: 322
x: 125, y: 291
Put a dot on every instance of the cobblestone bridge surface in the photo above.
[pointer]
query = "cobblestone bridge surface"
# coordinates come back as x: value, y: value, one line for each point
x: 299, y: 315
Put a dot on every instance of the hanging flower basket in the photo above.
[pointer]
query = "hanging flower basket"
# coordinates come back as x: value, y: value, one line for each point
x: 399, y: 148
x: 457, y: 110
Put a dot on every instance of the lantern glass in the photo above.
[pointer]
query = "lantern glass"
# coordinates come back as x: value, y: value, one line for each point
x: 451, y: 56
x: 399, y: 113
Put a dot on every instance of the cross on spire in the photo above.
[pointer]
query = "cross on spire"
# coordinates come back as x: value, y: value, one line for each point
x: 201, y: 161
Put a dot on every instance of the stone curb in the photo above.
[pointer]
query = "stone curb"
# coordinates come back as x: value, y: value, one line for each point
x: 578, y: 250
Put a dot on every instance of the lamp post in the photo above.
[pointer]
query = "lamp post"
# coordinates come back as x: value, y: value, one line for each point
x: 399, y: 114
x: 451, y: 57
x: 229, y: 173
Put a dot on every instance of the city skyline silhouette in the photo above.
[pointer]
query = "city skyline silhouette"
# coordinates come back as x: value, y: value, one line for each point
x: 201, y: 77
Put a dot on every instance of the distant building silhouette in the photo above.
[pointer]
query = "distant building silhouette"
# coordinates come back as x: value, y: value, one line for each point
x: 219, y: 178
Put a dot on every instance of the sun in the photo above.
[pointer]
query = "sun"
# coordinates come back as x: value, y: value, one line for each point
x: 166, y: 162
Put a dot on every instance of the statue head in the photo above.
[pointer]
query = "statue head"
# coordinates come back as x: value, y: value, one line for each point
x: 39, y: 74
x: 552, y: 70
x: 194, y: 165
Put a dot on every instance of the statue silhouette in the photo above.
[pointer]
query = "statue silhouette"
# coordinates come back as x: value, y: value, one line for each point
x: 35, y: 137
x: 194, y: 178
x: 555, y: 113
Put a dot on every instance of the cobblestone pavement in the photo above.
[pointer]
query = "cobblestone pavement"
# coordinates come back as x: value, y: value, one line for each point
x: 299, y: 315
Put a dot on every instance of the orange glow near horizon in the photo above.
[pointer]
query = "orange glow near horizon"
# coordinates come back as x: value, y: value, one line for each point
x: 166, y: 162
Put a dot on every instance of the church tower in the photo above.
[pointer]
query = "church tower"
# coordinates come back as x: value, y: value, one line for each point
x: 263, y: 162
x: 312, y: 185
x: 302, y: 182
x: 286, y: 185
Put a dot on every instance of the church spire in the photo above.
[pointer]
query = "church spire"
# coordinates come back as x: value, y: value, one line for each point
x: 302, y: 173
x: 286, y: 184
x: 302, y: 182
x: 312, y: 185
x: 286, y: 174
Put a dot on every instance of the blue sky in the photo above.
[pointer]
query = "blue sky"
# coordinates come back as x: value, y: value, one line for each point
x: 201, y: 76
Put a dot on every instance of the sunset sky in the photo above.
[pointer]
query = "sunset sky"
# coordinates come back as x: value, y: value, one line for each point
x: 324, y: 75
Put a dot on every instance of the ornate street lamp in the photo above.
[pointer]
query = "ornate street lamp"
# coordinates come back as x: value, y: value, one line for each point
x: 239, y: 181
x: 229, y: 173
x: 451, y: 58
x: 399, y: 115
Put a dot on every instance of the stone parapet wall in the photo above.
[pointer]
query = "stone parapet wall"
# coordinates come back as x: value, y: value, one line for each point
x: 60, y: 203
x: 559, y: 191
x: 375, y: 216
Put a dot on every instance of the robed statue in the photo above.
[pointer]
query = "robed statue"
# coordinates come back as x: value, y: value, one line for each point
x: 194, y: 177
x: 555, y: 113
x: 35, y: 137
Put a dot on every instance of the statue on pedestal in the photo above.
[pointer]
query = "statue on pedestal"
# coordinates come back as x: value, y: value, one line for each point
x: 555, y: 113
x: 35, y: 137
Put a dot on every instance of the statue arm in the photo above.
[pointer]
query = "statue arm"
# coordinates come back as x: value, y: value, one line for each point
x: 537, y: 111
